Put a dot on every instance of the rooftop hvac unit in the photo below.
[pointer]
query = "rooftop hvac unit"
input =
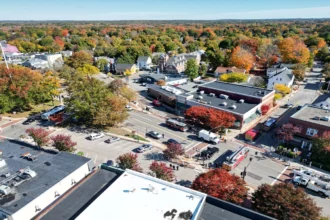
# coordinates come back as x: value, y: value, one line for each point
x: 212, y: 94
x: 199, y: 97
x: 241, y: 101
x: 233, y: 107
x: 222, y: 96
x: 201, y: 92
x: 224, y: 104
x: 209, y: 103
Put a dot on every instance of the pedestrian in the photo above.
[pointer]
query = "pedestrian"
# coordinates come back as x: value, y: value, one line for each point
x: 170, y: 165
x: 163, y: 136
x: 177, y: 167
x: 225, y: 141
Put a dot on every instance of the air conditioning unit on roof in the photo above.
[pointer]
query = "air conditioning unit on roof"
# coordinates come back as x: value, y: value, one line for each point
x: 241, y: 101
x: 233, y: 107
x: 212, y: 94
x: 222, y: 96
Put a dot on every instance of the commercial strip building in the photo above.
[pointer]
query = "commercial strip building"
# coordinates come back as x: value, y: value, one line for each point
x: 244, y: 102
x: 31, y: 179
x: 128, y: 194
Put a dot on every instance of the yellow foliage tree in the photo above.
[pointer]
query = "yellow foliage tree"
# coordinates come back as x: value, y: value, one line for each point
x: 294, y: 51
x: 234, y: 77
x: 128, y: 72
x: 242, y: 58
x: 283, y: 89
x: 88, y: 69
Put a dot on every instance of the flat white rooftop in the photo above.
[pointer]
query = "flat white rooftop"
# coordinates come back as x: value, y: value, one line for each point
x: 139, y: 196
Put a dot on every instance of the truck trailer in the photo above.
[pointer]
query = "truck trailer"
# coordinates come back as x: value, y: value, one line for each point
x: 208, y: 136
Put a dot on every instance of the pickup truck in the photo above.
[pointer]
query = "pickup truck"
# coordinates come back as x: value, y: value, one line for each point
x: 319, y: 187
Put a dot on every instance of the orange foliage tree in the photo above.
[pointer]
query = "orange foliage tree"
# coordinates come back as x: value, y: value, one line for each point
x: 242, y: 58
x: 209, y: 118
x: 294, y: 51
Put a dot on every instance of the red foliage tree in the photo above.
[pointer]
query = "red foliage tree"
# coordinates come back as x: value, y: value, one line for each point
x: 161, y: 171
x: 59, y: 42
x: 173, y: 150
x: 65, y: 32
x: 264, y: 109
x: 39, y: 136
x: 209, y: 118
x: 287, y: 131
x: 129, y: 161
x: 284, y: 201
x: 221, y: 184
x: 63, y: 142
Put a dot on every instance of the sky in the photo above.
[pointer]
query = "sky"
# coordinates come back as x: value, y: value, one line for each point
x: 161, y: 9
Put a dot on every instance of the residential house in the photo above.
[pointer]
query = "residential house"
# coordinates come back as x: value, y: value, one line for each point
x: 144, y: 62
x: 54, y: 60
x: 66, y: 53
x: 194, y: 55
x: 163, y: 58
x: 111, y: 66
x: 244, y: 102
x: 122, y: 67
x: 313, y: 121
x: 322, y: 101
x: 36, y: 64
x: 176, y: 64
x: 283, y: 76
x: 221, y: 70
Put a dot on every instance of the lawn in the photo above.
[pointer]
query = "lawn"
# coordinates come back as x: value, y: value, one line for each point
x: 35, y: 109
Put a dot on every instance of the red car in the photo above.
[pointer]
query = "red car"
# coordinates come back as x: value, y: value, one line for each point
x: 156, y: 103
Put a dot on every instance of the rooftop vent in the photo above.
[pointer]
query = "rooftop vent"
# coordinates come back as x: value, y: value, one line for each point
x: 199, y: 97
x: 212, y: 94
x: 241, y: 101
x: 233, y: 107
x: 224, y: 104
x: 222, y: 96
x: 209, y: 103
x: 201, y: 92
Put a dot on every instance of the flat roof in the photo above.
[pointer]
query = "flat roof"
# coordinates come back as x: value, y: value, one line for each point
x: 165, y: 92
x: 241, y: 108
x: 50, y: 168
x: 308, y: 112
x: 237, y: 88
x: 81, y: 196
x: 139, y: 196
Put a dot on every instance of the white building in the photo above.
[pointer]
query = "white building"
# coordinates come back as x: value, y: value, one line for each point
x: 144, y: 62
x: 66, y: 53
x: 54, y: 60
x: 136, y: 195
x: 32, y: 179
x: 280, y: 76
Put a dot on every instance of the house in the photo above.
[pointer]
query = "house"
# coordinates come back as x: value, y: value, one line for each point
x: 323, y: 101
x: 145, y: 197
x: 285, y: 77
x: 176, y: 64
x: 193, y: 56
x: 312, y: 121
x: 163, y: 58
x: 54, y: 60
x: 221, y: 70
x: 37, y: 178
x: 122, y: 67
x: 66, y: 53
x: 243, y: 101
x: 111, y: 66
x: 36, y: 64
x: 144, y: 62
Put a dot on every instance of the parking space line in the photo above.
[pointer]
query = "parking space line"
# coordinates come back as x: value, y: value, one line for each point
x: 278, y: 177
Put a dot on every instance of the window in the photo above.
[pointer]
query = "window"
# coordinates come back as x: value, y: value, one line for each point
x: 311, y: 132
x: 280, y: 79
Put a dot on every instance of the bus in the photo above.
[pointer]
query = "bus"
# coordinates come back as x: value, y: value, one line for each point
x: 176, y: 124
x: 269, y: 124
x: 52, y: 112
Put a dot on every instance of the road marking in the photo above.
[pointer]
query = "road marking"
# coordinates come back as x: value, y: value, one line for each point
x: 137, y: 115
x: 277, y: 178
x: 95, y: 159
x: 167, y: 131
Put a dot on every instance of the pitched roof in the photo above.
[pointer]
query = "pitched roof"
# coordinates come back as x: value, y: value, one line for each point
x: 124, y: 66
x: 286, y: 75
x: 221, y: 69
x: 143, y: 59
x: 176, y: 59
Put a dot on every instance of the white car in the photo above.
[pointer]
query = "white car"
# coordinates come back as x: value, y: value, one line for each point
x: 143, y: 148
x: 128, y: 108
x: 95, y: 136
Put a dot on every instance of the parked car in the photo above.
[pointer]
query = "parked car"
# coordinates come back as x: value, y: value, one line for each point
x: 317, y: 118
x: 172, y: 141
x: 144, y: 148
x: 209, y: 152
x: 94, y: 136
x: 156, y: 103
x: 287, y: 106
x: 112, y: 140
x: 128, y: 108
x: 154, y: 134
x: 325, y: 118
x: 29, y: 121
x: 299, y: 107
x: 110, y: 163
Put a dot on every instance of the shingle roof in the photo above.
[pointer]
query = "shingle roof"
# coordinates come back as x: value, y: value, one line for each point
x: 221, y: 69
x: 286, y: 75
x: 143, y: 59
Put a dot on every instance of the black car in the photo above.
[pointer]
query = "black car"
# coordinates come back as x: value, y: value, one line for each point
x: 209, y: 152
x: 172, y: 141
x: 29, y: 121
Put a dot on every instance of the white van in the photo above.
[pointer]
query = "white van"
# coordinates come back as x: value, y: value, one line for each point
x: 94, y: 136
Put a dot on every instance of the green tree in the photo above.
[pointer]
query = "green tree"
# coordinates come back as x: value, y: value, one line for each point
x: 321, y: 149
x: 191, y: 69
x: 101, y: 64
x: 202, y: 69
x: 80, y: 58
